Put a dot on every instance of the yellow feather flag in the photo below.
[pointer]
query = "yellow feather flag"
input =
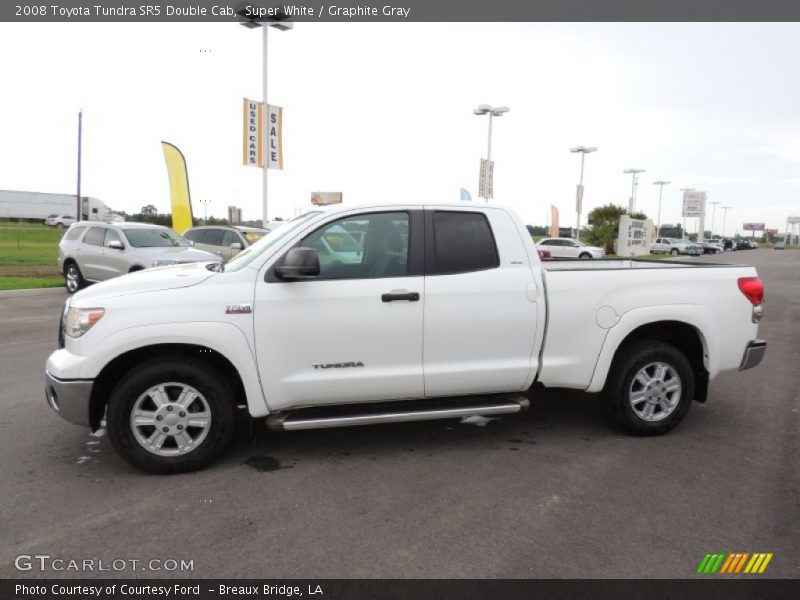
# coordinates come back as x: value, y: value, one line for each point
x: 178, y: 187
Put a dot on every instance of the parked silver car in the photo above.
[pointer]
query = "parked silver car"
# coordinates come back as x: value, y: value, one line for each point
x: 223, y: 240
x: 675, y: 246
x: 91, y: 252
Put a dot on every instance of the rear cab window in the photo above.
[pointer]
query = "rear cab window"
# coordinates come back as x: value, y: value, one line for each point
x: 463, y: 242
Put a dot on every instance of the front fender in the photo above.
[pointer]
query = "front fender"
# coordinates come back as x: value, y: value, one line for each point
x: 225, y: 338
x: 695, y: 315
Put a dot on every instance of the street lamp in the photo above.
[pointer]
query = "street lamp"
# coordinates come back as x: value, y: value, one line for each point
x: 584, y: 150
x: 279, y: 21
x: 205, y: 204
x: 634, y: 176
x: 683, y: 228
x: 724, y: 216
x: 713, y: 213
x: 492, y: 111
x: 661, y: 185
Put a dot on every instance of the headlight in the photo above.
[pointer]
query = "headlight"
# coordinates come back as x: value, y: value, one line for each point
x: 163, y: 262
x: 81, y: 320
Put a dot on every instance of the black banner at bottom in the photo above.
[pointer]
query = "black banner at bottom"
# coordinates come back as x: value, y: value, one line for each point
x: 399, y: 589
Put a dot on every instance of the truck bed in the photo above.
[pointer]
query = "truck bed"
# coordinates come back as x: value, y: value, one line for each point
x: 588, y: 299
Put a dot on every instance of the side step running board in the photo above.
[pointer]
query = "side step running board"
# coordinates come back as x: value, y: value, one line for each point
x: 373, y: 414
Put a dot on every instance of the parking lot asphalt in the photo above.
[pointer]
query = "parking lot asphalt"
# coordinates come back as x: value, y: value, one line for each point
x: 554, y: 492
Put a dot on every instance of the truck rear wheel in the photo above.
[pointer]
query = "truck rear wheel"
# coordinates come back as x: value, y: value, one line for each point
x: 171, y: 414
x: 650, y: 387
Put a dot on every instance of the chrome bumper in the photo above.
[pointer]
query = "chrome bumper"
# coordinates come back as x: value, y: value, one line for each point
x: 70, y: 399
x: 753, y: 354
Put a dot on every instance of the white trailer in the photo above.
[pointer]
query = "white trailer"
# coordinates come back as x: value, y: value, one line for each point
x: 38, y: 205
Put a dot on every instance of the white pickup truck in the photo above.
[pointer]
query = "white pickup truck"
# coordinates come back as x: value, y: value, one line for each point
x: 442, y: 311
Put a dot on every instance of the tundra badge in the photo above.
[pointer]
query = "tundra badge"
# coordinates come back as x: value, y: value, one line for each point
x: 238, y: 309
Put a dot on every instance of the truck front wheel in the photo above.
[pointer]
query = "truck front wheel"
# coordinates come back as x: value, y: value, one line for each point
x: 650, y: 387
x: 171, y: 414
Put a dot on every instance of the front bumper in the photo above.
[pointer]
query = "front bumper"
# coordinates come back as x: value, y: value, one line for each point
x: 69, y: 398
x: 753, y: 354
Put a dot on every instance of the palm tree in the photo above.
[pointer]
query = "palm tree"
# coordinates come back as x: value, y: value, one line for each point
x: 604, y: 221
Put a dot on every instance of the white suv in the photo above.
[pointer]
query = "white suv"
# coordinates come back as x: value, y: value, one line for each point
x: 92, y: 251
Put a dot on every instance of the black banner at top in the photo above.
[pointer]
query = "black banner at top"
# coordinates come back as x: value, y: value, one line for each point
x: 399, y: 10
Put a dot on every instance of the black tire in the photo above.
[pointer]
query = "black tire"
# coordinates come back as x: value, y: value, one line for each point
x: 198, y: 374
x: 585, y: 255
x: 60, y: 225
x: 135, y: 268
x: 73, y: 278
x: 674, y: 252
x: 630, y: 360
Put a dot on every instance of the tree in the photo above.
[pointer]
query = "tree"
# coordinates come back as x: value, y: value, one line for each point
x: 149, y: 210
x: 605, y: 226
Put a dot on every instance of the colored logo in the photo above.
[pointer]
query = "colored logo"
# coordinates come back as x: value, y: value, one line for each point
x: 738, y: 562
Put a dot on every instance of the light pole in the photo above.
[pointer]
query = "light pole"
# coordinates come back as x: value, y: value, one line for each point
x: 278, y: 21
x: 683, y: 227
x: 584, y: 150
x: 661, y: 185
x: 713, y: 214
x: 205, y: 204
x: 492, y: 111
x: 724, y: 216
x: 634, y: 176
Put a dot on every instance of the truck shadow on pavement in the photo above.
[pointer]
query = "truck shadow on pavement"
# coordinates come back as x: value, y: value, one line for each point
x: 555, y: 415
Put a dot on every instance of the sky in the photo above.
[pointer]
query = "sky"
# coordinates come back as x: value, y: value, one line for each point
x: 383, y: 112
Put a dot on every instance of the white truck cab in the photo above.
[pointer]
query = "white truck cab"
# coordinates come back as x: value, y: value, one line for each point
x: 438, y: 311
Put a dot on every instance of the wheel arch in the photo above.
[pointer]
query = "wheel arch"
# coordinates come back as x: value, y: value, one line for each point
x: 68, y: 261
x: 687, y: 335
x: 111, y: 374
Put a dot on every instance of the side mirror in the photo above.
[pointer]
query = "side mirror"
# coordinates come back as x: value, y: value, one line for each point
x: 299, y: 263
x: 236, y: 246
x: 116, y: 245
x: 190, y: 242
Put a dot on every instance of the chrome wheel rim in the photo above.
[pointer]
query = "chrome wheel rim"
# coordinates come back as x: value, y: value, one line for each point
x: 170, y: 419
x: 655, y: 391
x: 72, y: 279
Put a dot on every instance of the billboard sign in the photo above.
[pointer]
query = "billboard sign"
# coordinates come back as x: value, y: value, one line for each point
x: 753, y: 226
x: 694, y: 204
x: 793, y: 220
x: 325, y: 198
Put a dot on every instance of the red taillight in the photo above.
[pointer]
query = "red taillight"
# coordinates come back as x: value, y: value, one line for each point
x: 753, y: 289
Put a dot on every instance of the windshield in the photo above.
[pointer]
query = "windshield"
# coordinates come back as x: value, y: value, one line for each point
x: 154, y: 238
x: 243, y: 259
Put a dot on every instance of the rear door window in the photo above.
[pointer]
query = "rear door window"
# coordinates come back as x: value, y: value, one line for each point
x: 213, y: 237
x: 196, y: 235
x: 463, y: 242
x: 95, y: 236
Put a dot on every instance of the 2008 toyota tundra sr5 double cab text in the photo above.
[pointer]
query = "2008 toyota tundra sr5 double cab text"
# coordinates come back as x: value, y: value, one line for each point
x: 390, y: 313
